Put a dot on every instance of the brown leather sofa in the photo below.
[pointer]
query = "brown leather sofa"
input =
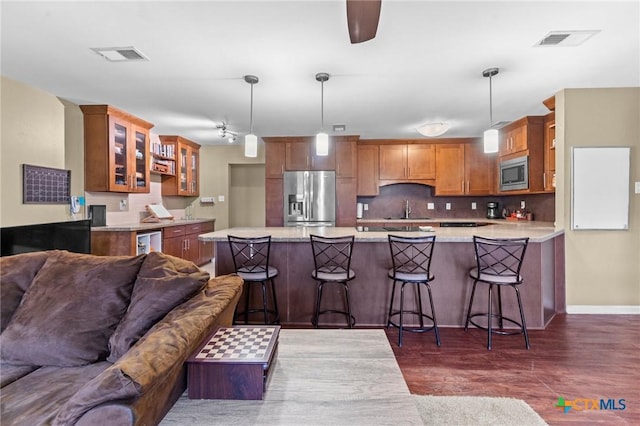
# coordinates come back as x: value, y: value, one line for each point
x: 102, y: 340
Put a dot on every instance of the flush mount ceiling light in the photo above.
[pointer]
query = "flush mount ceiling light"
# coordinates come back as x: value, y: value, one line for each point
x: 491, y: 136
x: 120, y: 54
x: 433, y: 129
x: 251, y: 140
x: 322, y: 139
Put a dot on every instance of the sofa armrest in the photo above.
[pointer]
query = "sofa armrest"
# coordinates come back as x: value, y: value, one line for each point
x: 154, y: 366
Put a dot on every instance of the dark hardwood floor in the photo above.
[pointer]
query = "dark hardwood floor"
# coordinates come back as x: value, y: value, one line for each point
x: 575, y: 357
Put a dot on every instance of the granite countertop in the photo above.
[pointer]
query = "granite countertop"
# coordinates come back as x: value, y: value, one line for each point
x: 134, y: 227
x: 537, y: 231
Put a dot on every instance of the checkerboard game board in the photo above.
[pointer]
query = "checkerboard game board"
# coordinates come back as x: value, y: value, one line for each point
x: 237, y: 343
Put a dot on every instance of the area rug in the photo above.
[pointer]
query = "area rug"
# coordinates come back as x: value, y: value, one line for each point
x: 345, y: 377
x: 476, y: 411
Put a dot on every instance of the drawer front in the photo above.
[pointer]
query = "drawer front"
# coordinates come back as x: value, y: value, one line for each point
x: 174, y: 231
x: 194, y: 228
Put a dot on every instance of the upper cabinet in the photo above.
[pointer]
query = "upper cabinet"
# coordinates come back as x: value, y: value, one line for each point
x: 368, y: 176
x: 464, y: 169
x: 406, y: 162
x: 520, y: 135
x: 525, y: 137
x: 116, y: 150
x: 301, y: 155
x: 186, y: 180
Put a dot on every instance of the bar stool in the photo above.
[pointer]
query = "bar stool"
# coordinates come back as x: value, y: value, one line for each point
x: 251, y: 263
x: 498, y: 264
x: 332, y: 261
x: 411, y: 259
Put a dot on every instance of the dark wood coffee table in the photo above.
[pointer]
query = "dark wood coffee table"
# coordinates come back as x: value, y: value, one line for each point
x: 234, y: 363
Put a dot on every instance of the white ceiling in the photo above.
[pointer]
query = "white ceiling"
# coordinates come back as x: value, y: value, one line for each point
x: 425, y: 64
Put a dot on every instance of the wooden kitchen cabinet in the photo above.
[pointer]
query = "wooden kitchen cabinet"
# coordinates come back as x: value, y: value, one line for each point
x: 346, y: 157
x: 407, y: 162
x: 116, y: 147
x: 464, y: 169
x: 274, y: 153
x: 527, y: 132
x: 518, y: 135
x: 549, y: 177
x: 367, y: 182
x: 300, y: 154
x: 274, y: 198
x: 186, y: 181
x: 182, y: 241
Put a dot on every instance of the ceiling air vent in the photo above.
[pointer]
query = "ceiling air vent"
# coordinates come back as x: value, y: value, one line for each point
x: 120, y: 54
x: 566, y: 38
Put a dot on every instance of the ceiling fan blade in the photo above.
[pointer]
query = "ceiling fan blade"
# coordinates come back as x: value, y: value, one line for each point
x: 362, y: 18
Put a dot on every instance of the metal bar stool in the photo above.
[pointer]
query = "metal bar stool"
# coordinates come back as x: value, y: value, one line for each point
x: 411, y: 257
x: 251, y: 263
x: 498, y: 264
x: 332, y: 261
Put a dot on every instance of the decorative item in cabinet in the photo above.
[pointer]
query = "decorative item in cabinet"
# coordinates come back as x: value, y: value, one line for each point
x: 163, y: 158
x: 116, y: 150
x: 185, y: 180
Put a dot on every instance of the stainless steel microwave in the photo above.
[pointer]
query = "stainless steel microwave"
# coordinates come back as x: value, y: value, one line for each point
x: 514, y: 174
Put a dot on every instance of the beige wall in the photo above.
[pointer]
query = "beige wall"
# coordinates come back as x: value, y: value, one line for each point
x: 33, y: 132
x: 215, y: 180
x: 602, y: 267
x: 246, y: 195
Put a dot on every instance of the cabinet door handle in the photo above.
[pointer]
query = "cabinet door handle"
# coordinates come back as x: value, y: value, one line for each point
x: 462, y: 186
x: 544, y: 180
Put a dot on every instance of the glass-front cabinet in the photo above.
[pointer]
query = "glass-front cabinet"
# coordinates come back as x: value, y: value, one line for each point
x: 186, y: 180
x: 116, y: 150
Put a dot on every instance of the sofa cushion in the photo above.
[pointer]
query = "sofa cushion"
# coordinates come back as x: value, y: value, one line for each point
x: 163, y: 283
x: 36, y: 398
x: 111, y: 384
x: 16, y: 274
x: 70, y: 310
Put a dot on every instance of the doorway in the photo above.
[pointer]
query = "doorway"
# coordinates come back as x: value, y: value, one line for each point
x: 246, y: 195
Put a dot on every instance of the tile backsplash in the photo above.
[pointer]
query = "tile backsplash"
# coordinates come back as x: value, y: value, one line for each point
x: 391, y: 201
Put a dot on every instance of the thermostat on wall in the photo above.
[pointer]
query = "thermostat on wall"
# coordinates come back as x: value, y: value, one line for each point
x: 207, y: 200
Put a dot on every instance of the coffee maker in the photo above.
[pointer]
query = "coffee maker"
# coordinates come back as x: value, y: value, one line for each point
x: 492, y: 210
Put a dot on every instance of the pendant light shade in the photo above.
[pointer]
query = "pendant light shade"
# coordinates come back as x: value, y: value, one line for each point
x: 491, y: 136
x: 322, y: 139
x: 251, y: 140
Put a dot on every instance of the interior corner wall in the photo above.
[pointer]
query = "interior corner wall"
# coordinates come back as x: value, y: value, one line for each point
x: 215, y: 174
x: 33, y: 132
x: 602, y: 267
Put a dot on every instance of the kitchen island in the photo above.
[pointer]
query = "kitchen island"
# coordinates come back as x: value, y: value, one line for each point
x: 543, y: 291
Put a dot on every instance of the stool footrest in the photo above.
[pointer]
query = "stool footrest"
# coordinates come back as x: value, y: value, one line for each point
x: 497, y: 330
x: 352, y: 319
x: 412, y: 328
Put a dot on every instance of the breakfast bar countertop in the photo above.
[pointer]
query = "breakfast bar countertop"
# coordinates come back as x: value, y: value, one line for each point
x: 537, y: 231
x: 144, y: 226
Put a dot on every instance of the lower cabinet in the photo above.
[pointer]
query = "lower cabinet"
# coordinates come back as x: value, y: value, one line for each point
x: 182, y: 241
x: 179, y: 240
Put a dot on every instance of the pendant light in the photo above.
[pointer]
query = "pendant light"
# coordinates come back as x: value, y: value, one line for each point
x: 322, y: 139
x: 491, y: 136
x: 250, y: 140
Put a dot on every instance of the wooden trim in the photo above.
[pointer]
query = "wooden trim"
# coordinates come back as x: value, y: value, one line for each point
x: 110, y: 110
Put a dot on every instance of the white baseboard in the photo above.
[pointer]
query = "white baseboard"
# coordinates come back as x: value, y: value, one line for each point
x: 604, y: 309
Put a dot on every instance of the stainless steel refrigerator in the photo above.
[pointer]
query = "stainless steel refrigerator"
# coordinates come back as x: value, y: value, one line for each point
x: 310, y: 198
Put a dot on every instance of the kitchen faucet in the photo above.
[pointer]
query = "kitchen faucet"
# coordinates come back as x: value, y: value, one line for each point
x: 407, y: 209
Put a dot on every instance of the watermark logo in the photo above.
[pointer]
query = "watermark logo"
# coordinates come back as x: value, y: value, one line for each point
x: 585, y: 404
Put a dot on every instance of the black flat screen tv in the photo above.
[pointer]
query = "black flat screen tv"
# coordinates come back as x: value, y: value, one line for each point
x: 73, y: 236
